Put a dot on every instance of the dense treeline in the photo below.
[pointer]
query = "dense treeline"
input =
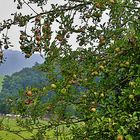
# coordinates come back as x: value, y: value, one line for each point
x: 26, y: 78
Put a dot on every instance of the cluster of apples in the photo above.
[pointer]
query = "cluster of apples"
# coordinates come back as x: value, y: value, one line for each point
x: 99, y: 5
x: 101, y: 67
x: 29, y: 94
x: 45, y: 29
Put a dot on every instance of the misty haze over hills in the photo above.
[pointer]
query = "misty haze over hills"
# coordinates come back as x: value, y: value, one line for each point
x: 16, y: 61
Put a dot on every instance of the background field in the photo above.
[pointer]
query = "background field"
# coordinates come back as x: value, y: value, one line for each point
x: 12, y: 126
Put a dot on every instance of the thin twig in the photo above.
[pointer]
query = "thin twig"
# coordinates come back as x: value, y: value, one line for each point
x: 30, y: 6
x: 63, y: 9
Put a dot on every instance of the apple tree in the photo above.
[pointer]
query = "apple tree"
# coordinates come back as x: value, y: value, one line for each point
x: 91, y: 50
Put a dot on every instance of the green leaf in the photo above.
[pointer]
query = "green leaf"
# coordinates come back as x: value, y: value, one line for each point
x: 128, y: 137
x: 137, y: 91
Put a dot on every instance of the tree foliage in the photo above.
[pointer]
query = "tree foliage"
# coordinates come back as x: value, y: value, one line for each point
x: 105, y: 64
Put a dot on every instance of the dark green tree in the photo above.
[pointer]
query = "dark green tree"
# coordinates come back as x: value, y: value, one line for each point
x: 26, y: 78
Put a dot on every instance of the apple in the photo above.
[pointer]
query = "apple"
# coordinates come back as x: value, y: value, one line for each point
x: 84, y: 95
x: 102, y: 95
x: 96, y: 93
x: 22, y: 47
x: 81, y: 30
x: 44, y: 88
x: 1, y: 54
x: 132, y: 41
x: 121, y: 65
x: 98, y: 15
x: 109, y: 120
x: 112, y: 1
x: 127, y: 63
x: 74, y: 75
x: 73, y: 82
x: 28, y: 101
x: 98, y: 5
x: 29, y: 93
x: 63, y: 91
x: 102, y: 40
x: 59, y: 37
x: 68, y: 86
x: 101, y: 67
x: 93, y: 103
x: 104, y: 62
x: 117, y: 49
x: 38, y: 37
x: 37, y: 48
x: 22, y: 37
x: 95, y: 73
x: 53, y: 86
x: 131, y: 96
x: 132, y: 84
x: 37, y: 19
x: 49, y: 107
x: 93, y: 109
x: 27, y: 55
x: 119, y: 137
x: 87, y: 15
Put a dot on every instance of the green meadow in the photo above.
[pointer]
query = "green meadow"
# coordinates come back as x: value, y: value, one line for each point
x: 11, y: 127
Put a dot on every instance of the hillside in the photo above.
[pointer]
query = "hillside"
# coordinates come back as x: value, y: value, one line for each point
x: 27, y: 77
x: 15, y: 61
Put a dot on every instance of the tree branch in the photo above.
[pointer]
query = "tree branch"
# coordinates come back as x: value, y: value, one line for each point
x: 62, y: 9
x: 76, y: 0
x: 30, y: 6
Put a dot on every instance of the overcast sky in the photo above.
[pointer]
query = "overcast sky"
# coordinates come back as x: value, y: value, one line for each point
x: 8, y: 6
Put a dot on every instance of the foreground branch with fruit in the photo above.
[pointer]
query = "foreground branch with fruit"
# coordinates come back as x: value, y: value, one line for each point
x: 95, y: 88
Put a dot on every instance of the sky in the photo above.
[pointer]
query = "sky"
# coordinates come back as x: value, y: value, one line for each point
x: 8, y: 6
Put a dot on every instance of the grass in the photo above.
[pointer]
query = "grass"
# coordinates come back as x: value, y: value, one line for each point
x: 12, y: 125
